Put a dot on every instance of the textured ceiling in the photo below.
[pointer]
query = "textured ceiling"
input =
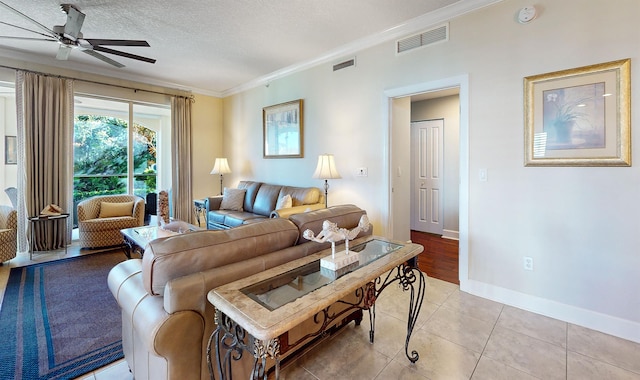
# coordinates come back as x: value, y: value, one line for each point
x: 210, y: 46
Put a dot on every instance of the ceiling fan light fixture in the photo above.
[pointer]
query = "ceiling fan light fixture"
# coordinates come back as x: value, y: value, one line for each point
x: 69, y: 37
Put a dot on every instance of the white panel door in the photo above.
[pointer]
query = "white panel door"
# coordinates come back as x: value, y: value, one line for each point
x: 426, y: 176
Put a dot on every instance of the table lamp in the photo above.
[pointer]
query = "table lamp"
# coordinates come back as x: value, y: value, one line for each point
x: 221, y: 167
x: 326, y: 170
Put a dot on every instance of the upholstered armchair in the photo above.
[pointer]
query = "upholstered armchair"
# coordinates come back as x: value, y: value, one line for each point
x: 8, y: 233
x: 101, y: 218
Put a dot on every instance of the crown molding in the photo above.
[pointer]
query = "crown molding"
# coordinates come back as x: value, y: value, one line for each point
x: 410, y: 27
x: 28, y: 61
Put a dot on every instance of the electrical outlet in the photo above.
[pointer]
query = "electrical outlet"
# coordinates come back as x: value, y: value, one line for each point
x: 362, y: 172
x: 528, y: 263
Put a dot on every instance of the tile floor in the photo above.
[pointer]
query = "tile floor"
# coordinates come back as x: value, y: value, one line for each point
x: 458, y: 336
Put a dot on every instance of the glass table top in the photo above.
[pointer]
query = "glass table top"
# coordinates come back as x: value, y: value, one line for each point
x: 287, y: 287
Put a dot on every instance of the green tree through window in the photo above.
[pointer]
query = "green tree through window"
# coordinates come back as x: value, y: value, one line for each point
x: 101, y: 160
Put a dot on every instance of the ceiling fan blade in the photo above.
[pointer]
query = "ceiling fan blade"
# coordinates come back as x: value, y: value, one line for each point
x: 63, y: 53
x: 29, y: 38
x: 75, y: 19
x: 103, y: 58
x: 123, y: 54
x: 96, y: 42
x: 44, y: 28
x: 27, y: 29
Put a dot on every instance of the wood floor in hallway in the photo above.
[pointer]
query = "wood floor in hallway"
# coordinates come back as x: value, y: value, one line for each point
x: 439, y: 258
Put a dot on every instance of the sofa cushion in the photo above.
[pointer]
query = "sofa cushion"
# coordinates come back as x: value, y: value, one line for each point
x: 235, y: 219
x: 176, y: 256
x: 266, y: 199
x: 284, y: 202
x: 252, y: 191
x: 111, y: 209
x: 233, y: 199
x: 302, y: 195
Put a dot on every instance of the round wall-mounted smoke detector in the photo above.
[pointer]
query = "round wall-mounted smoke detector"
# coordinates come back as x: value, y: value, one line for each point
x: 527, y: 14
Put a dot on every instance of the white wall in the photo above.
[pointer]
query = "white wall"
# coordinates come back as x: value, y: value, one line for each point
x: 578, y: 224
x: 8, y: 128
x: 400, y: 169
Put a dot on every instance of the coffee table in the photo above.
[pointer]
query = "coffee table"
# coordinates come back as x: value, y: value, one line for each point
x: 137, y: 238
x: 255, y: 313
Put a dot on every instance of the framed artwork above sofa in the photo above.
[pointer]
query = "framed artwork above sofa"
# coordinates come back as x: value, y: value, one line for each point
x: 283, y: 127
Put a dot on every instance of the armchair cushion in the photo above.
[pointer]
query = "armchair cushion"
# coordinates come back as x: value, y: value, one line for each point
x: 109, y: 210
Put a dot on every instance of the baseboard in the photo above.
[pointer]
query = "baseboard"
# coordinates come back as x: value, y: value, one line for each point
x: 607, y: 324
x: 450, y: 234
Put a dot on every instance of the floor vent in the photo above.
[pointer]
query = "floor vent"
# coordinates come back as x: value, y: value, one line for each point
x: 429, y: 37
x: 345, y: 64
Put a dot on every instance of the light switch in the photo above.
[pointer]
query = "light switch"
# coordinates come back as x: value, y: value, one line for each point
x: 483, y: 175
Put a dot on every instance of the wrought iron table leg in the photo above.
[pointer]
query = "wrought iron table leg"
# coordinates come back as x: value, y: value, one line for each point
x: 407, y: 276
x: 234, y: 341
x: 415, y: 303
x: 372, y: 322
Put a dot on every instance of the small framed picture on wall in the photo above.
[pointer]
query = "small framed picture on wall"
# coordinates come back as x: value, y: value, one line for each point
x: 10, y: 150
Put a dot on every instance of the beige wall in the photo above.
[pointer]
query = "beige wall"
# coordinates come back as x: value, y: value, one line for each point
x: 206, y: 145
x: 578, y: 224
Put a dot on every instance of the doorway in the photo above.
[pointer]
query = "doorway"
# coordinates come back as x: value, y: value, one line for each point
x: 399, y: 163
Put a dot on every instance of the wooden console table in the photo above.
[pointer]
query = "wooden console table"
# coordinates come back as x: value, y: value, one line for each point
x: 248, y: 318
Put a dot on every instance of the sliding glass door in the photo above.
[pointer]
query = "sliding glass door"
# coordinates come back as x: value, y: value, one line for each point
x: 118, y: 147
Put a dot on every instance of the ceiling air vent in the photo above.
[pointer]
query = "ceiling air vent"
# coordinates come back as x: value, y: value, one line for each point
x: 345, y: 64
x: 429, y: 37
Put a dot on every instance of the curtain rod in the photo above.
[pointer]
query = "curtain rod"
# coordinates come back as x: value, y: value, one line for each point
x: 191, y: 97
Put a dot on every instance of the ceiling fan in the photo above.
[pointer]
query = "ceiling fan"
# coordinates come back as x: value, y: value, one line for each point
x: 69, y: 37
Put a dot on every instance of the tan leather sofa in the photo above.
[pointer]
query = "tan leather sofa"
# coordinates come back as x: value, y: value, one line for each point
x: 101, y: 218
x: 166, y: 318
x: 260, y: 203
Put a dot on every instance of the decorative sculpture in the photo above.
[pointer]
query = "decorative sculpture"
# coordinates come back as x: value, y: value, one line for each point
x: 163, y: 208
x: 331, y: 233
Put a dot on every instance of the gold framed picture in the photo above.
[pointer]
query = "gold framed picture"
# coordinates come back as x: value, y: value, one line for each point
x: 283, y: 129
x: 579, y: 117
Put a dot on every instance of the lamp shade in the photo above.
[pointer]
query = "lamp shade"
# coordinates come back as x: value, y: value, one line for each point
x: 221, y: 167
x: 326, y: 168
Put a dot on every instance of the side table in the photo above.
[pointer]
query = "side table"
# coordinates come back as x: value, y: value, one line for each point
x: 200, y: 209
x: 44, y: 219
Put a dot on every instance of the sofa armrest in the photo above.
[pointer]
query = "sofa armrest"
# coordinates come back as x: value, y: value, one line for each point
x: 213, y: 203
x: 286, y: 212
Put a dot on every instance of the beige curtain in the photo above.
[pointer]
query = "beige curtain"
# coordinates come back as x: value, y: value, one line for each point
x: 45, y: 125
x: 181, y: 158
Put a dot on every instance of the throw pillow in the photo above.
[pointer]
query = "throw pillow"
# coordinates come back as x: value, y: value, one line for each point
x: 110, y: 210
x: 284, y: 202
x: 233, y: 199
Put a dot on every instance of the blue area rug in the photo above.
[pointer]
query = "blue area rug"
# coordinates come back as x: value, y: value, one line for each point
x: 59, y: 320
